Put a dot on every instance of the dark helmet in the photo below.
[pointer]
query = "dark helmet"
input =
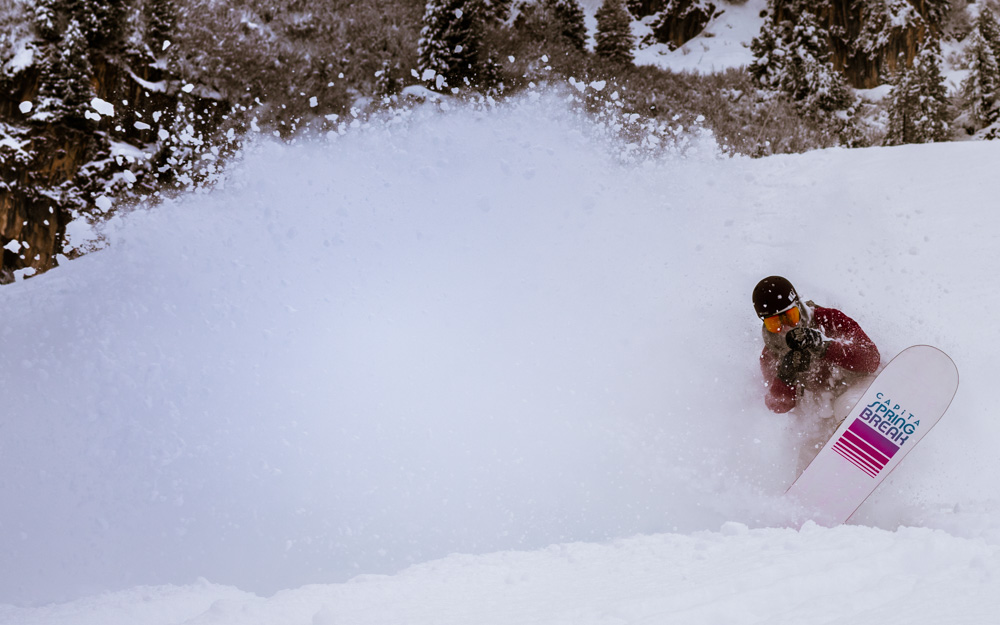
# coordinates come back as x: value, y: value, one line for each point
x: 773, y: 295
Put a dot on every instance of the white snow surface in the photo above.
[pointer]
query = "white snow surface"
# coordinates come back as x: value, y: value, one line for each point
x: 723, y: 44
x: 20, y: 50
x: 481, y: 334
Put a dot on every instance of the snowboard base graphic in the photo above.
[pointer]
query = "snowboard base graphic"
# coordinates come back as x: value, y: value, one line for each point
x: 902, y: 404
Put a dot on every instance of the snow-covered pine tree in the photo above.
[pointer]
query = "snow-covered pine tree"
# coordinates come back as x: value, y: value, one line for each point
x: 866, y: 36
x: 615, y: 42
x: 988, y: 27
x: 161, y: 19
x: 76, y: 71
x: 83, y: 13
x: 932, y: 125
x: 794, y: 58
x: 811, y: 78
x: 65, y: 83
x: 568, y: 14
x: 935, y: 12
x: 918, y: 103
x: 551, y: 23
x: 903, y: 108
x: 496, y: 10
x: 46, y: 20
x: 451, y: 40
x: 883, y: 24
x: 978, y: 92
x: 769, y: 55
x: 102, y: 22
x: 543, y: 34
x: 387, y: 81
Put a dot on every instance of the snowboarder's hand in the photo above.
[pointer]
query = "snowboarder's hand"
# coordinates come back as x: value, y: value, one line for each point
x: 804, y: 338
x: 792, y: 364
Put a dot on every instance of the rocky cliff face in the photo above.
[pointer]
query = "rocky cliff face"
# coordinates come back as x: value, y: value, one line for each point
x: 674, y: 22
x: 869, y: 39
x: 684, y: 20
x: 33, y: 159
x: 55, y: 170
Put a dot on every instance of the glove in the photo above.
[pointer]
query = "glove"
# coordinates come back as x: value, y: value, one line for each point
x: 792, y: 364
x: 804, y: 338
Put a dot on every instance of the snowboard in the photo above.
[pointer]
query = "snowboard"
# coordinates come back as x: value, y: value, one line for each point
x: 900, y: 407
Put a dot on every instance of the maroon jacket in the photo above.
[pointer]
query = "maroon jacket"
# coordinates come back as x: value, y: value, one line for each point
x: 847, y: 347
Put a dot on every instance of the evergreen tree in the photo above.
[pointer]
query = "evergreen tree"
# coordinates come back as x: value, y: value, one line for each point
x: 568, y: 16
x: 794, y: 57
x: 615, y: 41
x: 769, y: 54
x: 451, y: 40
x: 903, y: 107
x: 102, y: 22
x: 161, y: 20
x: 551, y: 23
x: 75, y: 71
x: 978, y: 92
x: 935, y: 12
x: 932, y: 124
x: 494, y: 11
x: 918, y: 102
x: 541, y: 34
x: 65, y: 81
x: 987, y: 25
x: 810, y: 77
x: 387, y: 80
x: 46, y: 20
x: 881, y: 23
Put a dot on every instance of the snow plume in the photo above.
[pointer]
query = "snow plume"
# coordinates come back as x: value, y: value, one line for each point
x: 462, y: 332
x: 455, y: 333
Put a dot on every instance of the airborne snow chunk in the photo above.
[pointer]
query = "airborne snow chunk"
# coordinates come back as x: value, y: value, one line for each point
x: 104, y: 108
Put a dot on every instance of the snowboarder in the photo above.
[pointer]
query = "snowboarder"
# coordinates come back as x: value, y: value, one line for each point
x: 814, y: 358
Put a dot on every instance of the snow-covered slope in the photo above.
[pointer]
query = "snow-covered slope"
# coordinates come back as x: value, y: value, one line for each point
x: 480, y: 332
x: 724, y: 43
x: 774, y: 576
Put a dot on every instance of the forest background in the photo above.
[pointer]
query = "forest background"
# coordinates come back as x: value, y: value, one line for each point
x: 110, y: 104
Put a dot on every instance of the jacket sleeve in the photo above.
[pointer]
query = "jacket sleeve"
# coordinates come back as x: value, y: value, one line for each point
x: 780, y: 397
x: 849, y: 347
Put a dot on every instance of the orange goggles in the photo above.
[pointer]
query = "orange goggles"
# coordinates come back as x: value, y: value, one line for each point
x: 790, y: 318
